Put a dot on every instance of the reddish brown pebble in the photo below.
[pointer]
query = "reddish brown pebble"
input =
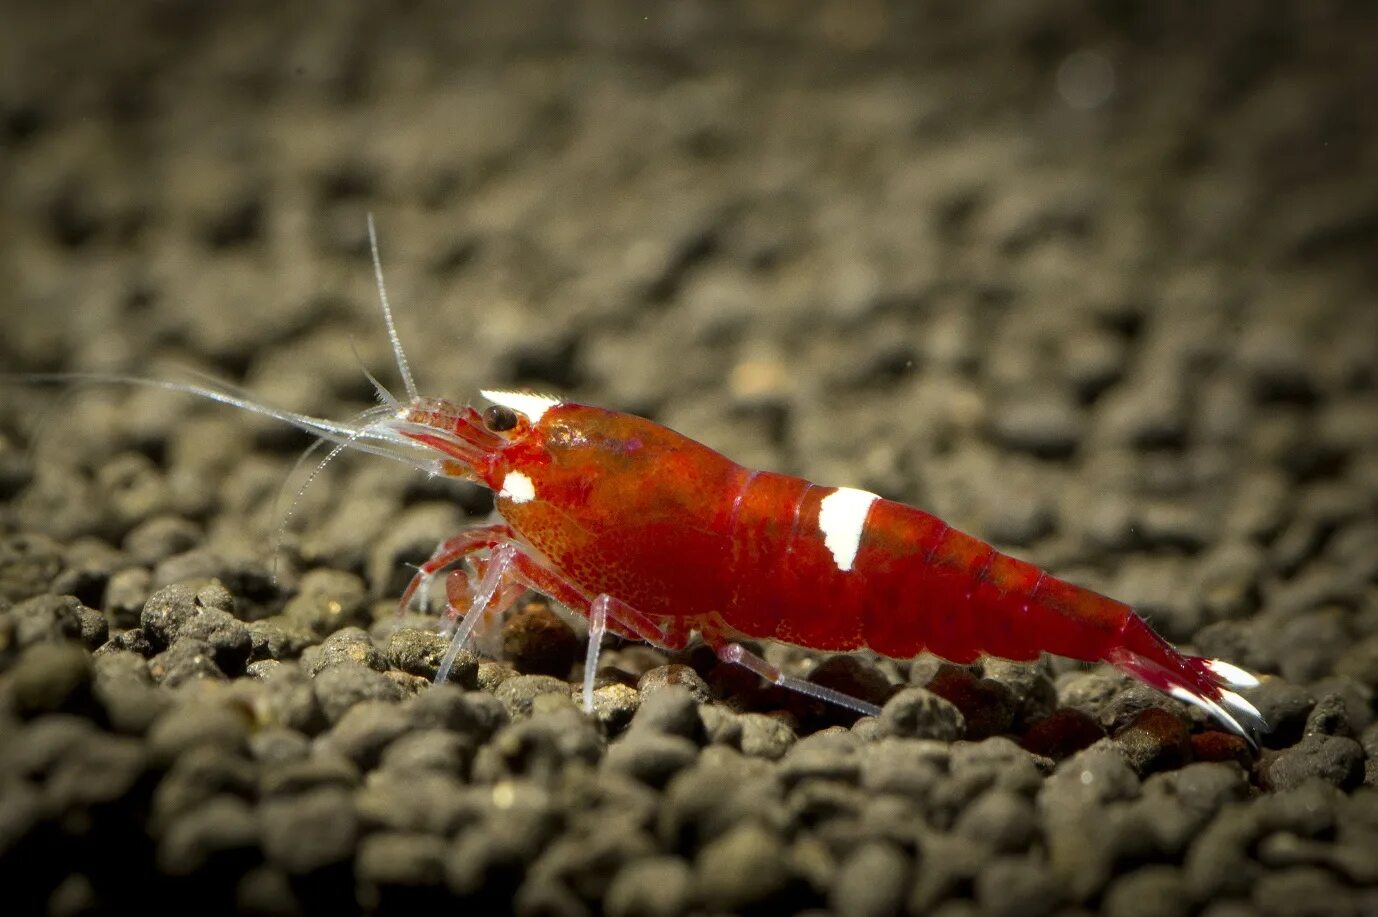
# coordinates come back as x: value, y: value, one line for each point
x: 1061, y: 733
x: 1221, y: 746
x: 538, y: 642
x: 1156, y: 740
x: 987, y: 706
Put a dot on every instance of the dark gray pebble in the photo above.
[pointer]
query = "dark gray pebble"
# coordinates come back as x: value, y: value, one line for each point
x: 871, y: 881
x: 223, y: 633
x: 327, y: 601
x: 195, y: 723
x: 1016, y: 887
x: 1307, y: 890
x: 675, y: 674
x: 746, y: 867
x: 159, y: 538
x: 198, y: 775
x: 45, y: 619
x: 1151, y: 891
x: 542, y: 745
x: 28, y: 563
x: 543, y: 896
x: 659, y: 886
x: 518, y: 694
x: 671, y: 710
x: 614, y: 706
x: 340, y: 686
x: 170, y: 607
x: 401, y: 858
x: 721, y: 790
x: 274, y: 639
x: 1028, y: 683
x: 365, y: 730
x: 438, y: 750
x: 95, y: 772
x: 1000, y: 820
x: 1285, y: 707
x: 720, y: 725
x: 909, y: 767
x: 221, y: 832
x: 348, y: 646
x: 241, y: 574
x: 322, y: 769
x: 833, y: 755
x: 52, y: 677
x: 585, y: 861
x: 420, y: 652
x: 288, y: 698
x: 188, y: 659
x: 945, y: 865
x: 133, y: 640
x: 310, y: 831
x: 277, y: 745
x: 475, y: 715
x: 424, y: 802
x: 1337, y: 760
x: 920, y: 714
x: 765, y: 736
x: 651, y: 757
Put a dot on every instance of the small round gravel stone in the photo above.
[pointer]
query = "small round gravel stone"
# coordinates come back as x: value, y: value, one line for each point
x: 917, y: 713
x: 745, y: 868
x: 671, y: 710
x: 1337, y: 760
x: 171, y: 607
x: 221, y: 832
x: 51, y: 677
x: 871, y: 882
x: 651, y: 757
x: 349, y: 645
x: 307, y: 832
x: 658, y: 886
x: 339, y: 687
x: 680, y: 675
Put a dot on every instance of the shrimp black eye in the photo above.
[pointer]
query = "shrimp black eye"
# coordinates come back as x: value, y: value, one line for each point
x: 499, y: 419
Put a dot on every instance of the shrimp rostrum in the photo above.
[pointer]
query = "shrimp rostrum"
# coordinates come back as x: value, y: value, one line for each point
x: 654, y: 536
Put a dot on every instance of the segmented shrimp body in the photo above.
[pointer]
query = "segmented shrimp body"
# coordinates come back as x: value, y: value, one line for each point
x: 674, y: 537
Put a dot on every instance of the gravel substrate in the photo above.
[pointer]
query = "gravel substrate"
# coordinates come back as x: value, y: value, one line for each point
x: 1097, y: 283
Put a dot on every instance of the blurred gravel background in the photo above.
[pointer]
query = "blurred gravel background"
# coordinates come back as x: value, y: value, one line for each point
x: 1094, y: 281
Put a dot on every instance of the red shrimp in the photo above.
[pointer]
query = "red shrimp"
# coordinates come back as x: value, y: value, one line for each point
x: 654, y: 536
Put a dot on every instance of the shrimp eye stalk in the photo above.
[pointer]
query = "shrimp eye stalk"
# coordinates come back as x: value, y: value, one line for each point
x: 500, y: 418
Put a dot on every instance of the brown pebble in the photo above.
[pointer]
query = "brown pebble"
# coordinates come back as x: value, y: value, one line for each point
x: 1062, y: 733
x: 538, y: 641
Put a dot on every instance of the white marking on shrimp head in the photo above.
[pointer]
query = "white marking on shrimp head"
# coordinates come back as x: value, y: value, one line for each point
x: 529, y: 404
x: 842, y: 520
x: 517, y: 487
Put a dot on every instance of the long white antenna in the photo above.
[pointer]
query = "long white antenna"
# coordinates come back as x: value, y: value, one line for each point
x: 397, y: 351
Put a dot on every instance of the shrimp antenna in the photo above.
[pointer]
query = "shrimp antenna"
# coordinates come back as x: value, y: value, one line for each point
x: 397, y: 351
x: 380, y: 391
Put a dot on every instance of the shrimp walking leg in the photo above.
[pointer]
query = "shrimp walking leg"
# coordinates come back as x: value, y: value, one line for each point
x: 481, y: 606
x: 450, y: 551
x: 736, y: 654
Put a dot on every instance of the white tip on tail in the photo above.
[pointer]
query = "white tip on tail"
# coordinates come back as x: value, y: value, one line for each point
x: 529, y: 404
x: 517, y: 487
x: 1232, y: 675
x: 842, y: 520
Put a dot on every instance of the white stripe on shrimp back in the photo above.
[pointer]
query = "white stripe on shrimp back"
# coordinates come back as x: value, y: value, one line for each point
x: 842, y: 520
